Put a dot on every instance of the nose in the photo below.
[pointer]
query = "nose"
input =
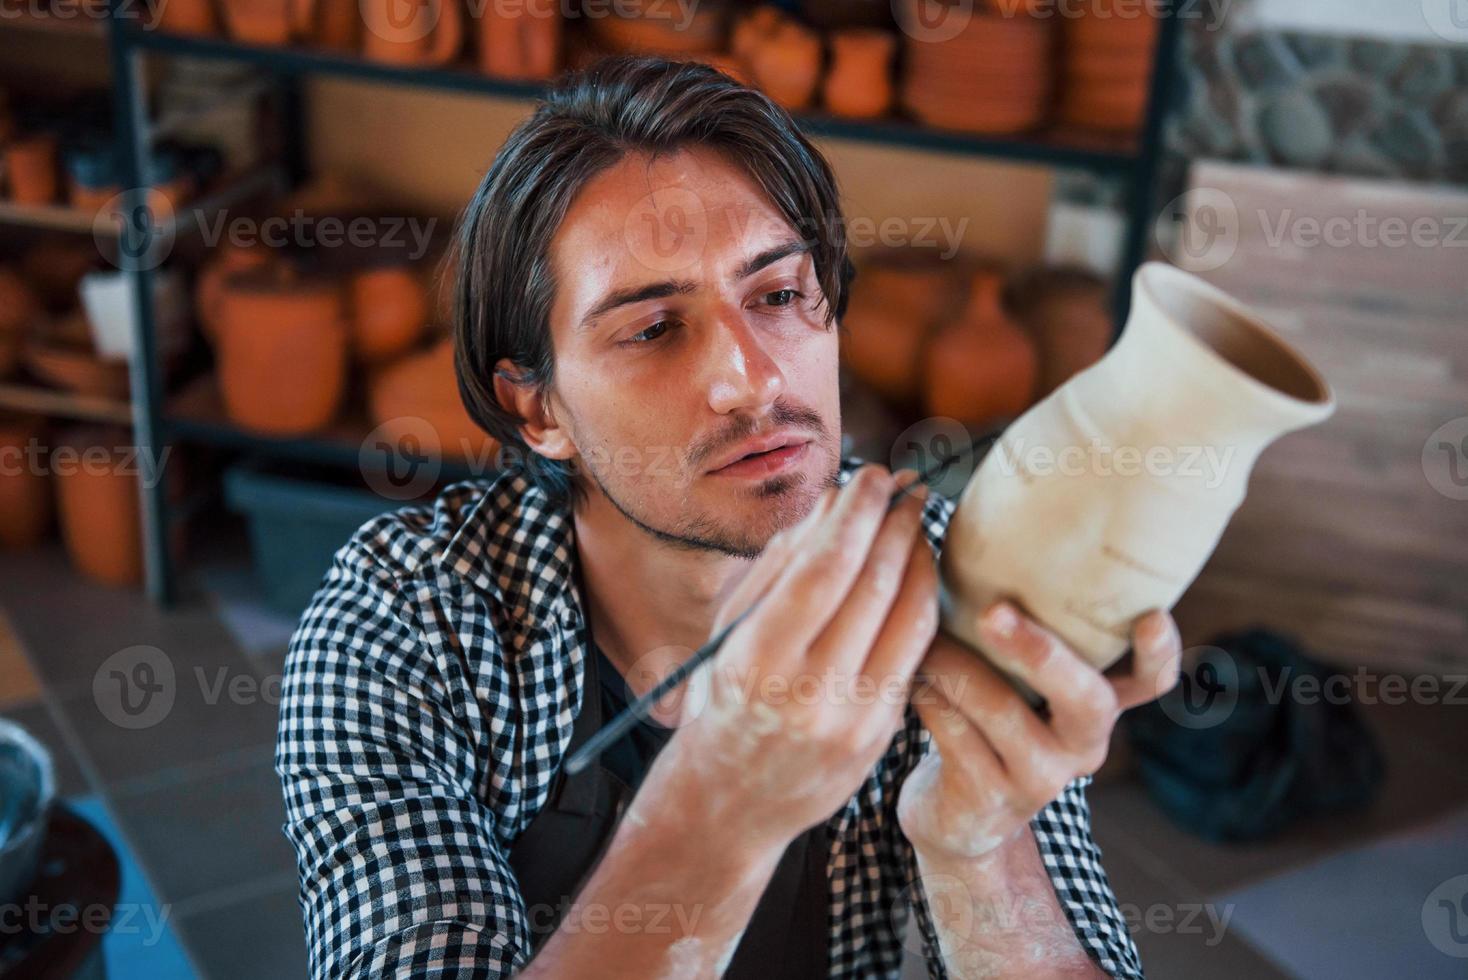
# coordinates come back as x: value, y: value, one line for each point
x: 742, y: 374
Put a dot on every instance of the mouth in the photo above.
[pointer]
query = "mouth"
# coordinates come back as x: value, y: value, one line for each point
x: 764, y: 457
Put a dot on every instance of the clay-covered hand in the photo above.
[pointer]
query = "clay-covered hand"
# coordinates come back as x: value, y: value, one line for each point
x: 995, y: 761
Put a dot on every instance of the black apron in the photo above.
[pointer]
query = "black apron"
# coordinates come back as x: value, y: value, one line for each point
x: 788, y: 934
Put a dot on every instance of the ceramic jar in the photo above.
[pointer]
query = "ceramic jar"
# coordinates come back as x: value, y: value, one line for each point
x: 389, y: 311
x: 97, y: 500
x: 1067, y: 313
x: 1106, y: 498
x: 421, y: 388
x: 31, y: 169
x: 859, y: 82
x: 226, y: 260
x: 282, y: 350
x: 522, y: 40
x: 25, y: 492
x: 981, y: 368
x: 431, y: 35
x: 894, y: 308
x: 268, y: 22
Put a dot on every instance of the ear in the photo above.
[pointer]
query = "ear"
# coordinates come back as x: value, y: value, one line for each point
x: 539, y: 429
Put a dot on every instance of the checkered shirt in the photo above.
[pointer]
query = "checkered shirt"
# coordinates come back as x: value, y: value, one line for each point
x: 429, y: 696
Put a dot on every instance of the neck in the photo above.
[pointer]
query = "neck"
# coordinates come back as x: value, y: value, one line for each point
x: 649, y: 603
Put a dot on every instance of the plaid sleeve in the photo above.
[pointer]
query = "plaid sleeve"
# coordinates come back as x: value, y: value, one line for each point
x: 401, y: 873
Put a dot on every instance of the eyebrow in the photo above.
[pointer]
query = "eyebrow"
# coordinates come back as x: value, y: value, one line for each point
x: 682, y: 287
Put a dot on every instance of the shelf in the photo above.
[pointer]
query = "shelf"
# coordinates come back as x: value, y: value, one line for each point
x: 196, y: 414
x: 55, y: 217
x: 55, y: 403
x: 63, y: 217
x: 1058, y: 148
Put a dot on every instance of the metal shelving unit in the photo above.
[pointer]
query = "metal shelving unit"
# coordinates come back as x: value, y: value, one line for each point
x: 187, y: 418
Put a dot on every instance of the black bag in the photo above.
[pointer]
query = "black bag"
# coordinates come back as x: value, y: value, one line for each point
x: 1235, y: 753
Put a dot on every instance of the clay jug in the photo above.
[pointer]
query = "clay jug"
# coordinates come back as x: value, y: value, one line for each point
x: 521, y: 41
x: 419, y: 389
x: 25, y: 493
x: 1105, y: 499
x: 226, y: 260
x: 401, y: 33
x: 282, y: 350
x: 859, y: 83
x: 981, y: 368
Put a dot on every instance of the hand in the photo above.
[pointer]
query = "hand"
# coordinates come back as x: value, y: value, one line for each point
x: 996, y: 762
x: 776, y: 740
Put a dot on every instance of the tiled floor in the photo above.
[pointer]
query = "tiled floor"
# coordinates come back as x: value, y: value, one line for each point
x: 197, y: 803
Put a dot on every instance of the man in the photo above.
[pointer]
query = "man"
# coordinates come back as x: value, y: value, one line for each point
x: 650, y: 280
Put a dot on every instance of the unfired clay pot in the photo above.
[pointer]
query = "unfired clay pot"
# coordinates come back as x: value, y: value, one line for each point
x: 521, y: 40
x: 859, y: 82
x: 419, y: 388
x: 282, y: 350
x: 787, y: 65
x: 428, y: 33
x: 97, y: 499
x: 31, y: 169
x: 389, y: 307
x: 272, y: 22
x: 980, y: 368
x: 1102, y: 501
x: 25, y: 492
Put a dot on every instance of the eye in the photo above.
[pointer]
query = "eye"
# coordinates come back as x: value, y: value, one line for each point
x: 652, y: 332
x: 782, y: 297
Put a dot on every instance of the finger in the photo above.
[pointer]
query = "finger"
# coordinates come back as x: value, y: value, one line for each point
x: 771, y: 563
x: 1082, y: 704
x: 806, y: 595
x: 845, y: 643
x: 1019, y: 736
x: 1157, y: 656
x: 912, y: 621
x: 962, y: 746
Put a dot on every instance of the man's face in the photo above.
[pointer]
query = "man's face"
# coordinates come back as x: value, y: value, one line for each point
x: 689, y: 330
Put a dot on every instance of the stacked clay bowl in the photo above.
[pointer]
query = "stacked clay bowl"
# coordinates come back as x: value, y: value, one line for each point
x: 1106, y: 66
x: 993, y: 76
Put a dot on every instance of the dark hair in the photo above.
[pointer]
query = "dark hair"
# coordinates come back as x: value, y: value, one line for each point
x: 588, y: 122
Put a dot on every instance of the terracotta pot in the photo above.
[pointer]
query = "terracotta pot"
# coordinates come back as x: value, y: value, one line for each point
x: 97, y: 497
x: 55, y: 267
x: 428, y: 33
x: 226, y: 260
x: 754, y: 29
x: 25, y: 493
x: 896, y: 303
x: 19, y: 305
x: 188, y: 16
x: 419, y: 389
x: 981, y: 368
x: 521, y: 40
x: 1066, y: 314
x: 282, y: 350
x: 1194, y: 373
x: 662, y: 33
x: 389, y: 308
x: 859, y: 83
x: 268, y: 22
x: 787, y: 66
x: 31, y: 167
x: 338, y: 25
